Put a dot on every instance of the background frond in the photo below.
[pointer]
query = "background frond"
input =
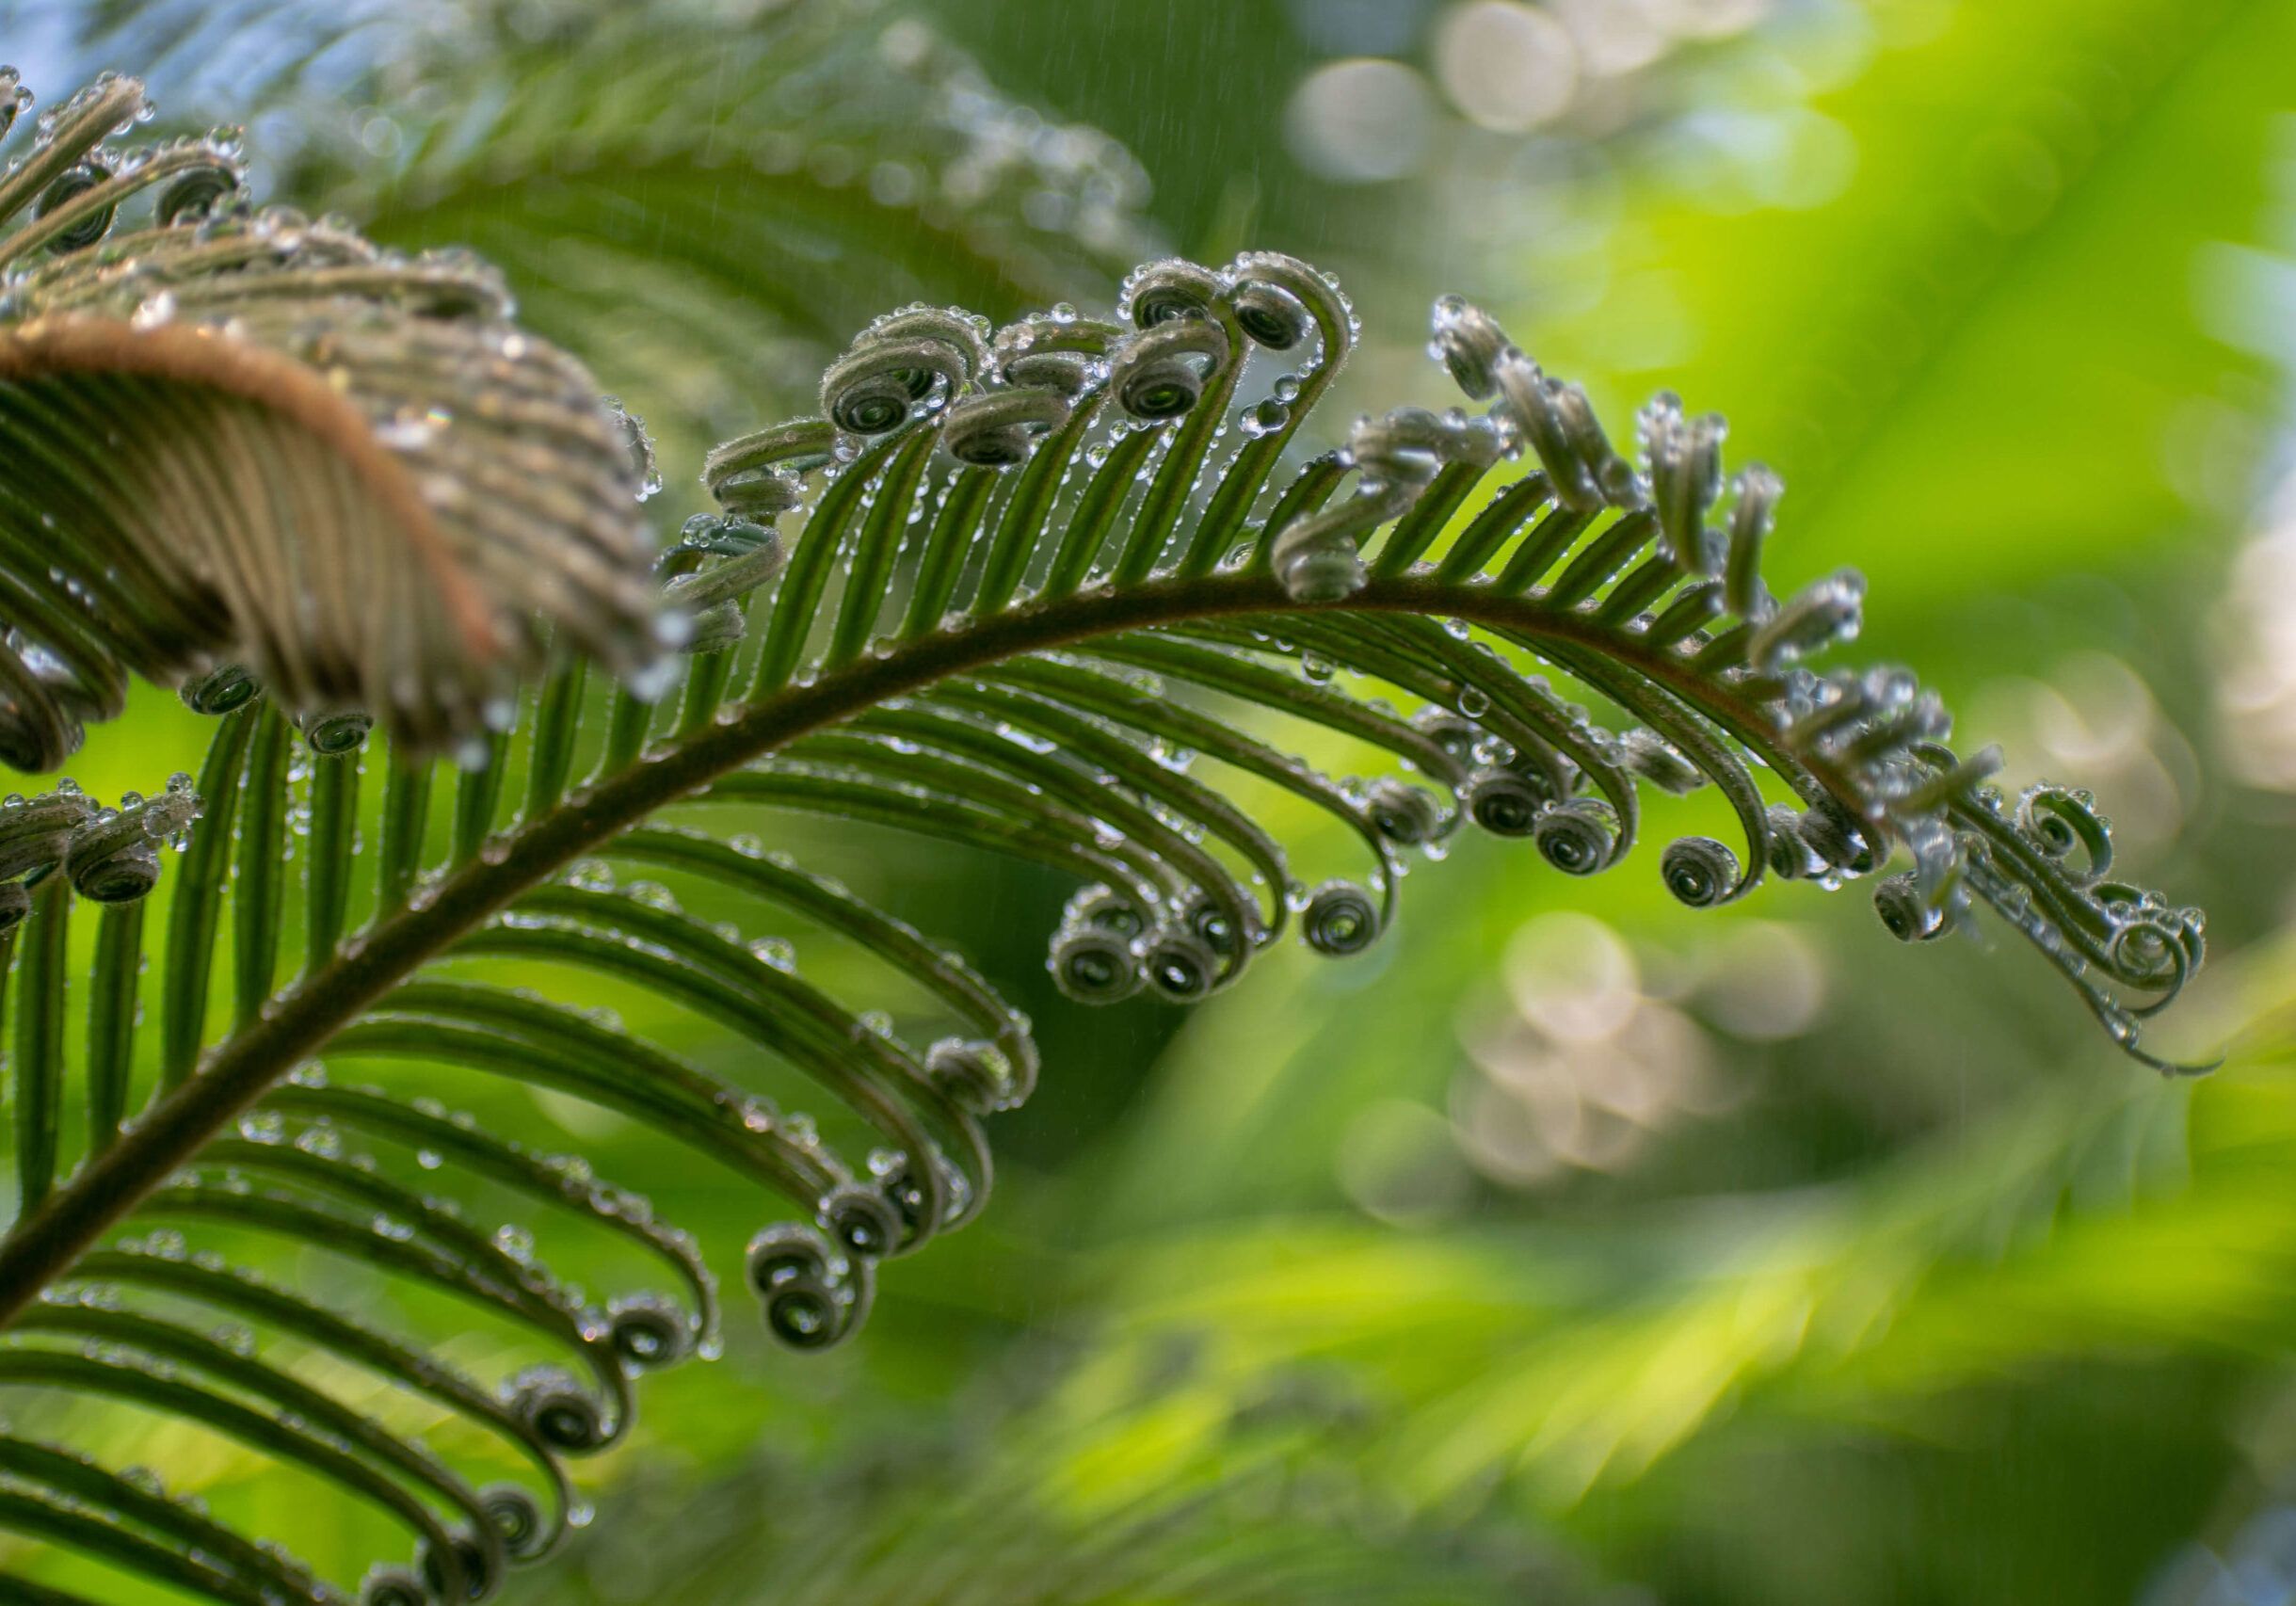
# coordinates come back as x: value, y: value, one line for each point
x: 1047, y: 1504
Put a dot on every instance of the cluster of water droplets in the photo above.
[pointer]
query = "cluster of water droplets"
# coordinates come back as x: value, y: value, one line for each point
x: 994, y: 395
x: 108, y: 853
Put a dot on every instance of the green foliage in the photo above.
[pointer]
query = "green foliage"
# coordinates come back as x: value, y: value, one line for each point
x: 1037, y: 590
x: 1150, y: 1503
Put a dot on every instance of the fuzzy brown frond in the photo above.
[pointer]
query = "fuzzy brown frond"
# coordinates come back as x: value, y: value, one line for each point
x: 239, y: 436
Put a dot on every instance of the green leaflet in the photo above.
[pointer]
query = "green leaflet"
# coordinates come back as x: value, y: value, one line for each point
x: 1014, y: 590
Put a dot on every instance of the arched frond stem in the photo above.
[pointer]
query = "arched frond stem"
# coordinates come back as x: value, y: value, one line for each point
x: 310, y: 1011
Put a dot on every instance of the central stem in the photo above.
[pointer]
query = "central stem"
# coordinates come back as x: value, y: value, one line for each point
x: 302, y: 1019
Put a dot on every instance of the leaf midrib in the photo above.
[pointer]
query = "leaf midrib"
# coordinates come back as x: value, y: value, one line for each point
x: 302, y: 1019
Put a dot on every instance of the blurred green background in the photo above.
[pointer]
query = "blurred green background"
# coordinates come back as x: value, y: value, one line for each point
x: 1573, y: 1247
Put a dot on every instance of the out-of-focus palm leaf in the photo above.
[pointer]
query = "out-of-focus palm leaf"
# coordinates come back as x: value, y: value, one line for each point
x: 1025, y: 1507
x: 1999, y: 341
x: 2126, y: 1225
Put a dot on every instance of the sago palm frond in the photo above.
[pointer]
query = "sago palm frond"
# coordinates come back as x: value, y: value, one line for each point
x: 1053, y: 587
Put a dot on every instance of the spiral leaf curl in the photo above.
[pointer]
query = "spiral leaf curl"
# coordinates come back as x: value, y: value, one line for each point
x: 812, y: 1298
x: 1057, y: 351
x: 1700, y: 871
x: 1577, y: 837
x: 896, y: 364
x: 1095, y: 965
x: 1341, y: 919
x: 996, y: 431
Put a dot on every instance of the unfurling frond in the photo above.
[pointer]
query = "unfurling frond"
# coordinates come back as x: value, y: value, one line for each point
x: 239, y: 436
x: 1640, y: 582
x: 1043, y: 601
